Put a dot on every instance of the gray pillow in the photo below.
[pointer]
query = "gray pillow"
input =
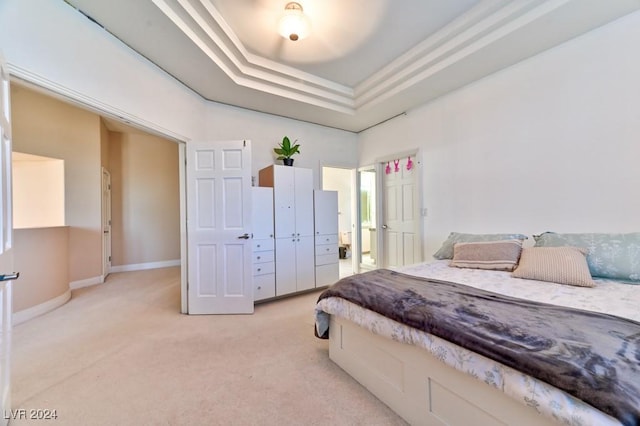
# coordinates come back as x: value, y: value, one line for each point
x: 446, y: 251
x: 615, y: 256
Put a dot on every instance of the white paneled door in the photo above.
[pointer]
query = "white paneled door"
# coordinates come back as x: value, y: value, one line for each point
x: 219, y: 228
x: 401, y: 224
x: 6, y: 237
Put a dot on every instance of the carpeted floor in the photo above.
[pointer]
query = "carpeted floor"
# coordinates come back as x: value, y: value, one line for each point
x: 120, y: 353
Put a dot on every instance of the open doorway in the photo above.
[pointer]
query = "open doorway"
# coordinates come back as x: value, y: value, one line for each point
x: 145, y: 171
x: 342, y: 180
x: 368, y: 220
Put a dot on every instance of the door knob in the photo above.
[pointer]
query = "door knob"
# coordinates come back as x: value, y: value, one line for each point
x: 9, y: 277
x: 244, y: 237
x: 384, y: 226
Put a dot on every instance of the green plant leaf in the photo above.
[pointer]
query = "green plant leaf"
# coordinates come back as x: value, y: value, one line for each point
x: 286, y: 143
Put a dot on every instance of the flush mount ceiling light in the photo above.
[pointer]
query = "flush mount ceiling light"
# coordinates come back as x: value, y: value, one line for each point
x: 294, y: 24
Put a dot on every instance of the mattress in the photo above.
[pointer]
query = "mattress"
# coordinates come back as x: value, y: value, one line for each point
x: 608, y: 297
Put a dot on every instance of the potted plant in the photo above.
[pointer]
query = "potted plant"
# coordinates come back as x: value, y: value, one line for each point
x: 286, y: 150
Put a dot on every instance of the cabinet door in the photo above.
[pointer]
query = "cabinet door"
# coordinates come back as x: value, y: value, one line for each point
x: 325, y: 205
x: 284, y: 201
x: 305, y: 263
x: 262, y: 213
x: 327, y: 274
x: 304, y: 201
x: 264, y: 287
x: 285, y: 266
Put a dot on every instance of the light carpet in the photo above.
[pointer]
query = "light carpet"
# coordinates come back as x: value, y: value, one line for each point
x: 120, y: 353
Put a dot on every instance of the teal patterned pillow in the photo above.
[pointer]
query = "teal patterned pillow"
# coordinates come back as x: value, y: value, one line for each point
x: 446, y: 251
x: 615, y: 256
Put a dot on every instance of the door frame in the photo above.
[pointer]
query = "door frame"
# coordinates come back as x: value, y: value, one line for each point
x: 353, y: 202
x: 6, y: 239
x: 182, y: 172
x: 376, y: 166
x: 106, y: 235
x: 54, y: 90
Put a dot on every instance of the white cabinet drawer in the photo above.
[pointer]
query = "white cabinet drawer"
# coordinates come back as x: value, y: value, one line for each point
x: 326, y: 259
x: 264, y: 268
x: 263, y: 256
x: 264, y: 287
x: 327, y: 249
x: 327, y: 239
x: 262, y: 245
x: 327, y: 274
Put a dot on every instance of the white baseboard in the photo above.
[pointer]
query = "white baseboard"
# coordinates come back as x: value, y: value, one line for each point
x: 86, y: 282
x: 143, y: 266
x: 43, y: 308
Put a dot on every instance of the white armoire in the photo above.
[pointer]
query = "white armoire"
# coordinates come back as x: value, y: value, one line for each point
x: 294, y: 227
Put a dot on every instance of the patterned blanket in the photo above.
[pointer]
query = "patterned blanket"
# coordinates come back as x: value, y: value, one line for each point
x: 594, y: 357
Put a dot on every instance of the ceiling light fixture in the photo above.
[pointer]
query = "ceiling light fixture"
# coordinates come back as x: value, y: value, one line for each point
x: 294, y: 24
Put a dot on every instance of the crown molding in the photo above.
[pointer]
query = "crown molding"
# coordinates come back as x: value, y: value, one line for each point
x: 487, y: 23
x: 204, y: 26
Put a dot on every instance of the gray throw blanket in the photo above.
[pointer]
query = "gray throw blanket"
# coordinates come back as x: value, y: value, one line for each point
x: 594, y: 357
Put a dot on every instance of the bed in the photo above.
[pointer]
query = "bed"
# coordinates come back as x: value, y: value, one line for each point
x: 429, y: 380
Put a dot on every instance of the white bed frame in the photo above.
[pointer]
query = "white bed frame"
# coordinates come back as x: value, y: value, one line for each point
x: 419, y: 387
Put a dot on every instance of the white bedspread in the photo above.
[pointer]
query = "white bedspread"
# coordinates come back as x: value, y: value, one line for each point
x: 608, y: 297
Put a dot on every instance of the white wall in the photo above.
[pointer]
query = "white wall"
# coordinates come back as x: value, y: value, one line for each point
x: 551, y: 143
x: 53, y: 45
x: 318, y: 144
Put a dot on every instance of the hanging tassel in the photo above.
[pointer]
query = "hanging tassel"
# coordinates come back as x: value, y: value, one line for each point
x: 409, y: 163
x: 396, y: 163
x: 387, y: 169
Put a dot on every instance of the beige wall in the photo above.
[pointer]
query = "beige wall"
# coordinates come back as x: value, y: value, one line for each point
x: 145, y: 199
x: 46, y: 248
x: 45, y: 126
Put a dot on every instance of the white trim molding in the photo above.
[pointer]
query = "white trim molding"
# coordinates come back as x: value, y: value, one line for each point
x: 73, y: 285
x: 40, y: 82
x: 144, y: 266
x: 34, y: 311
x: 476, y: 32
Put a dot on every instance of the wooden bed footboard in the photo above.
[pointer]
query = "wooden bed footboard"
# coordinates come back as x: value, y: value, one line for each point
x: 419, y: 387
